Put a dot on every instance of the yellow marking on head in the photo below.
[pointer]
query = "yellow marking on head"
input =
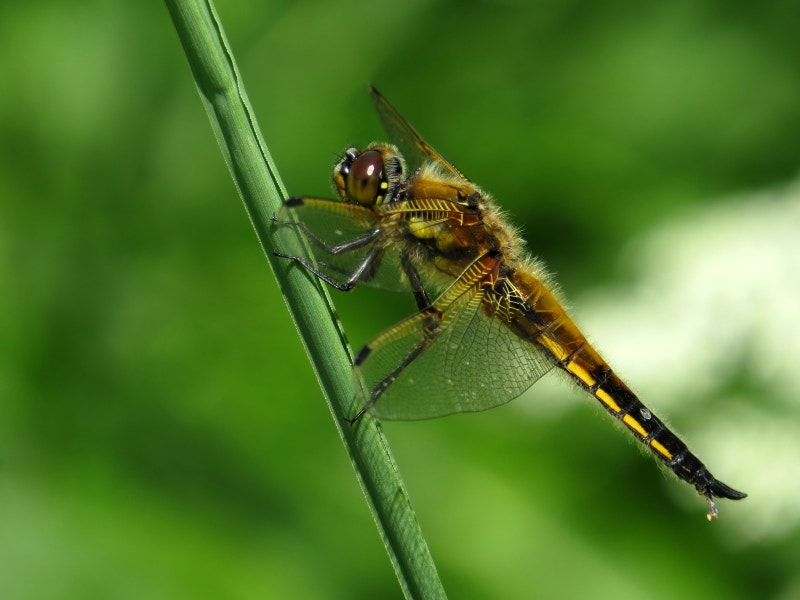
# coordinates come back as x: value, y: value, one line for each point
x: 581, y: 373
x: 606, y: 399
x: 635, y: 425
x: 661, y: 450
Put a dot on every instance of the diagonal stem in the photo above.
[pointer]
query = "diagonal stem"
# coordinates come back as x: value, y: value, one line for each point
x: 222, y: 93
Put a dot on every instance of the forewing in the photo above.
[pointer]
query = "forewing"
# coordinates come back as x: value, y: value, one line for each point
x: 317, y: 229
x: 411, y: 144
x: 468, y: 362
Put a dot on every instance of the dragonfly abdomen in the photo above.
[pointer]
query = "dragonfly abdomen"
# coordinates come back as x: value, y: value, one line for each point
x: 550, y: 328
x: 547, y: 324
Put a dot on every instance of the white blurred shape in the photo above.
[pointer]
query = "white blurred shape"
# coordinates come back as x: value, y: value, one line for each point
x: 711, y: 331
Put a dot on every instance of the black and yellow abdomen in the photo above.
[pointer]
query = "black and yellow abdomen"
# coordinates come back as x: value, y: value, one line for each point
x: 543, y: 321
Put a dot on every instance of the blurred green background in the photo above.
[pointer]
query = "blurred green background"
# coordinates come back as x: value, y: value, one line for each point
x: 161, y: 432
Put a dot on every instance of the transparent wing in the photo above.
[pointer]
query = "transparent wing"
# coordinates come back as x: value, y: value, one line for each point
x: 336, y: 238
x: 415, y: 149
x: 454, y: 359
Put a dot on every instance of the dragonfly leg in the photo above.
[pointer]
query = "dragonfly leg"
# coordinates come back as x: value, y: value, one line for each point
x: 364, y: 270
x: 415, y: 281
x: 332, y: 249
x: 382, y: 385
x: 431, y: 331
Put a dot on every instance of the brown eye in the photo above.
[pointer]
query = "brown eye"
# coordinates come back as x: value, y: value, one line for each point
x: 365, y: 182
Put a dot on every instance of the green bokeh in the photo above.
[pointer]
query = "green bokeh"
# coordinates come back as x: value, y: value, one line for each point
x: 161, y: 432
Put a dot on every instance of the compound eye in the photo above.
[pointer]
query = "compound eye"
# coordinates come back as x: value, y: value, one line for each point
x: 365, y: 182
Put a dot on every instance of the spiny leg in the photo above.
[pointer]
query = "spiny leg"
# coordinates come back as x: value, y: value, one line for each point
x: 364, y: 270
x: 415, y: 281
x: 431, y: 332
x: 332, y: 249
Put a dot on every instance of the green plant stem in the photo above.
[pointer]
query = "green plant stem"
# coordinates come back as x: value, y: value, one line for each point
x: 253, y: 171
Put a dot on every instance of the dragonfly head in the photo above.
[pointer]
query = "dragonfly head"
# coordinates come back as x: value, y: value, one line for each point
x: 368, y: 178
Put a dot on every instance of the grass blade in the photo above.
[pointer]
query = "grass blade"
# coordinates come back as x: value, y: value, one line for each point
x: 222, y: 93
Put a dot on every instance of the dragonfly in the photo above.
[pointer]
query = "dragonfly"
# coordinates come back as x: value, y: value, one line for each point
x: 488, y: 324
